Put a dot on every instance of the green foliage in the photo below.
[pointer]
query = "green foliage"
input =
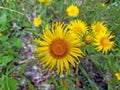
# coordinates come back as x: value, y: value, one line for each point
x: 3, y: 22
x: 16, y: 42
x: 5, y: 59
x: 9, y: 83
x: 21, y: 13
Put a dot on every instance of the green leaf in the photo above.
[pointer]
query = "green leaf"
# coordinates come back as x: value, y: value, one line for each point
x: 3, y: 19
x: 5, y: 59
x: 3, y: 22
x: 4, y: 38
x: 9, y: 83
x: 16, y: 42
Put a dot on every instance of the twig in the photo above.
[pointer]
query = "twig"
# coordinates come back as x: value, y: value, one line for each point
x: 25, y: 61
x: 12, y: 10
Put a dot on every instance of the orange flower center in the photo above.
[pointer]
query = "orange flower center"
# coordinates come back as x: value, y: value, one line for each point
x: 58, y: 48
x: 105, y: 42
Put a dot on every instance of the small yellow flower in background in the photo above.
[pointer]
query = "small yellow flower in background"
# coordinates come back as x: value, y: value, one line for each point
x: 65, y: 85
x: 37, y: 21
x: 47, y: 2
x: 88, y: 38
x: 78, y: 27
x: 72, y: 10
x: 59, y: 48
x: 103, y: 5
x: 98, y: 27
x: 41, y: 1
x: 118, y: 75
x: 0, y: 34
x: 103, y: 42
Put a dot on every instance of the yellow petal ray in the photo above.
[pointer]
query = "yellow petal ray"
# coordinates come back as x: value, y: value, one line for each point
x: 68, y: 37
x: 66, y: 66
x: 49, y: 33
x: 42, y: 54
x: 44, y: 59
x: 76, y: 55
x: 53, y: 63
x: 48, y: 62
x: 42, y: 49
x: 47, y: 39
x: 53, y: 29
x: 59, y: 30
x: 76, y: 52
x: 61, y: 66
x: 41, y: 43
x: 112, y: 36
x: 64, y: 32
x: 75, y: 43
x: 58, y: 66
x: 71, y: 60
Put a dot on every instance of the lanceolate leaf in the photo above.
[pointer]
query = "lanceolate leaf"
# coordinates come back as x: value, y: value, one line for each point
x: 9, y: 83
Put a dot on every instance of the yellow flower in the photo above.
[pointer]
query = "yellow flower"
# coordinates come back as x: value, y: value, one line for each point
x: 72, y: 10
x: 41, y: 1
x: 37, y: 21
x: 0, y: 34
x: 65, y: 85
x: 103, y: 5
x: 98, y: 27
x: 78, y: 27
x: 88, y: 38
x: 59, y: 48
x: 47, y: 2
x: 118, y: 76
x: 103, y: 42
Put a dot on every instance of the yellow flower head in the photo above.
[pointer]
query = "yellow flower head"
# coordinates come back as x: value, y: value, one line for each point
x: 98, y: 27
x: 72, y: 10
x: 88, y: 38
x: 41, y: 1
x: 103, y: 42
x: 103, y: 5
x: 59, y: 48
x: 78, y: 27
x: 64, y: 85
x: 37, y: 21
x: 118, y: 76
x: 47, y: 2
